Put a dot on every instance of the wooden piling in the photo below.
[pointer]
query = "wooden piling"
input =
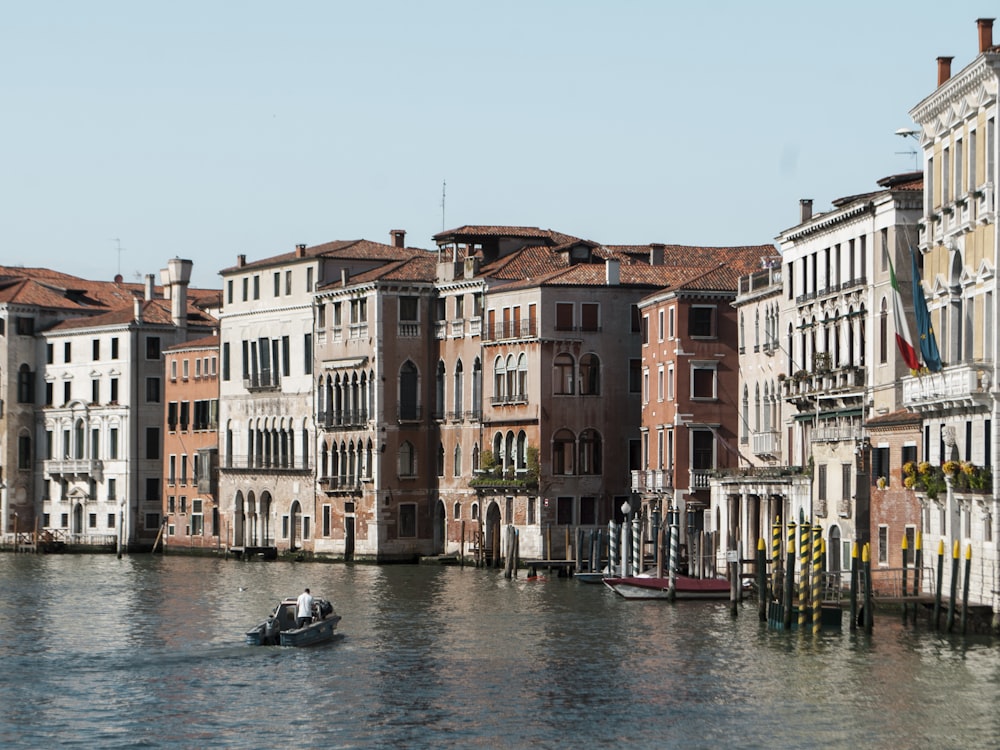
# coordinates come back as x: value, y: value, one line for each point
x: 461, y: 545
x: 906, y: 551
x: 940, y: 585
x: 803, y: 573
x: 866, y: 559
x: 855, y: 573
x: 965, y: 586
x: 789, y: 578
x: 955, y: 549
x: 762, y: 596
x: 817, y: 579
x: 918, y: 559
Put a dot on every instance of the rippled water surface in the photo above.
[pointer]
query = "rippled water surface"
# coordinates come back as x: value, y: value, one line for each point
x: 147, y: 651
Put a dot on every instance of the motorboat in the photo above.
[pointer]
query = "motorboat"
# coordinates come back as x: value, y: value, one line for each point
x: 652, y: 587
x: 280, y: 629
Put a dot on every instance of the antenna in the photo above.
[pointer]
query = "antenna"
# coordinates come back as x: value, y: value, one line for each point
x: 115, y: 239
x: 444, y: 184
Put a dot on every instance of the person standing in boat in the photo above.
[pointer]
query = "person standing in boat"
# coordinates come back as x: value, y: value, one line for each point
x: 304, y: 609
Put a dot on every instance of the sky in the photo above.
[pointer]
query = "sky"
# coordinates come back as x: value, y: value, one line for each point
x: 135, y: 132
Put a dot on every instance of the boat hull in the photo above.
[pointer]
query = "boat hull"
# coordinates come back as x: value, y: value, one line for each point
x: 280, y: 629
x: 316, y: 632
x: 641, y: 587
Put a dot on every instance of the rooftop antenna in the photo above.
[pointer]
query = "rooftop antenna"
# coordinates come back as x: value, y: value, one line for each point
x: 908, y: 133
x: 115, y: 239
x: 444, y: 184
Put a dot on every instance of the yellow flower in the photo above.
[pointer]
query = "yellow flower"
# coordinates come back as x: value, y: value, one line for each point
x: 909, y: 468
x: 923, y: 468
x: 950, y: 468
x: 909, y: 482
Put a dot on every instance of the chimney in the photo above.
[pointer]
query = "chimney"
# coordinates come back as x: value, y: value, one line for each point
x: 137, y: 309
x: 345, y: 276
x: 805, y: 210
x: 656, y: 251
x: 150, y: 285
x: 985, y: 26
x: 179, y: 272
x: 300, y: 251
x: 241, y: 260
x: 398, y: 237
x: 612, y: 272
x: 165, y: 282
x: 944, y: 69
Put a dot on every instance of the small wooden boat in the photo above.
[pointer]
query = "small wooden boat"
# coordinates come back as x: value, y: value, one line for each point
x: 651, y: 587
x: 280, y: 627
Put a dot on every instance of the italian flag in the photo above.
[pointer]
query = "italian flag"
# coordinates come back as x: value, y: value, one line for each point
x: 903, y: 340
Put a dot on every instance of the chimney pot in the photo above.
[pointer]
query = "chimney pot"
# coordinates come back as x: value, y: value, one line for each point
x: 300, y: 251
x: 805, y: 209
x: 985, y: 26
x: 241, y: 260
x: 612, y: 272
x: 398, y: 237
x: 944, y: 69
x: 656, y: 253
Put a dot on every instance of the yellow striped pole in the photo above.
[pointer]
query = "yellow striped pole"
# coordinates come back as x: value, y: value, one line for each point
x: 803, y: 572
x: 776, y: 573
x: 906, y: 559
x: 817, y: 579
x: 965, y: 585
x: 866, y: 559
x: 940, y: 585
x: 955, y: 550
x: 854, y: 586
x: 786, y: 618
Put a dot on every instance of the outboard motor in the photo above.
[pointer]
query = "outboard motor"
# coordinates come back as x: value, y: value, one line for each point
x: 325, y: 609
x: 271, y: 629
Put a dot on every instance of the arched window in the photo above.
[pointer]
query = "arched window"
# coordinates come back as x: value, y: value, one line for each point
x: 590, y: 452
x: 522, y: 451
x: 862, y: 335
x: 745, y: 426
x: 743, y: 334
x: 477, y: 388
x: 883, y: 332
x: 562, y: 377
x: 475, y: 457
x: 439, y: 391
x: 563, y: 444
x: 590, y: 375
x: 457, y: 466
x: 499, y: 380
x: 756, y: 330
x: 440, y: 460
x: 511, y: 387
x: 407, y: 460
x: 522, y: 376
x: 456, y: 511
x: 408, y: 390
x: 508, y: 453
x: 459, y: 386
x: 756, y: 408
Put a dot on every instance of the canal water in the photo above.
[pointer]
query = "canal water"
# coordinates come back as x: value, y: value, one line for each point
x: 147, y: 651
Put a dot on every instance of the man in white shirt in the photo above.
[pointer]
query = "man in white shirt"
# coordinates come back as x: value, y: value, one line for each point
x: 304, y: 609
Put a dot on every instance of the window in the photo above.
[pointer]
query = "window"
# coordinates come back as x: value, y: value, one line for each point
x: 563, y: 443
x: 229, y: 292
x: 309, y: 279
x: 846, y: 472
x: 407, y: 460
x: 564, y: 511
x: 407, y: 520
x: 308, y: 345
x: 701, y: 321
x: 152, y: 347
x: 225, y: 360
x: 590, y: 375
x: 23, y: 452
x: 25, y: 385
x: 95, y: 347
x: 883, y: 332
x: 703, y: 380
x: 153, y: 442
x: 95, y: 391
x: 114, y: 390
x: 67, y: 392
x: 68, y: 352
x: 114, y: 348
x: 702, y: 450
x: 408, y: 385
x: 113, y: 442
x: 562, y: 376
x: 256, y: 286
x: 49, y: 354
x: 670, y: 323
x: 590, y: 452
x: 635, y: 376
x: 152, y: 390
x: 288, y: 282
x: 197, y: 523
x: 660, y: 327
x: 277, y: 283
x: 590, y: 314
x: 883, y: 545
x: 564, y: 316
x: 408, y: 309
x: 112, y: 488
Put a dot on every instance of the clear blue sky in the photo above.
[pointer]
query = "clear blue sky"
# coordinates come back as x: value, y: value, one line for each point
x: 209, y: 129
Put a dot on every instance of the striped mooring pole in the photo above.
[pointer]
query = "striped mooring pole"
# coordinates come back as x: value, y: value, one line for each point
x: 866, y: 560
x: 906, y: 556
x: 817, y: 579
x: 762, y: 596
x: 636, y: 545
x: 789, y: 578
x: 940, y: 585
x: 855, y: 573
x: 955, y: 550
x: 803, y: 573
x: 674, y: 542
x: 612, y: 548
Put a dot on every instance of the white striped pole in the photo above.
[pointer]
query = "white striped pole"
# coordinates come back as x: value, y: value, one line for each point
x: 636, y: 545
x: 612, y: 548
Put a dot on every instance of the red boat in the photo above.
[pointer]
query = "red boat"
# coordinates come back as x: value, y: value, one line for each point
x: 651, y: 587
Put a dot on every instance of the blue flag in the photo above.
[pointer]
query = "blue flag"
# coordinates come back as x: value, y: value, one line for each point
x: 925, y: 331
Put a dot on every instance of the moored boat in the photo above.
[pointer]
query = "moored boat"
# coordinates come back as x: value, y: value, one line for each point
x: 280, y: 626
x: 652, y: 587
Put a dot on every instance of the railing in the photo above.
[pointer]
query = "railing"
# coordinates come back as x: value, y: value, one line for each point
x: 767, y: 443
x: 262, y: 381
x: 510, y: 330
x: 77, y: 467
x: 262, y: 463
x: 409, y: 413
x: 835, y: 434
x: 341, y: 484
x: 343, y: 418
x: 652, y: 480
x: 760, y: 281
x: 457, y: 329
x: 965, y: 384
x: 509, y: 399
x: 409, y: 330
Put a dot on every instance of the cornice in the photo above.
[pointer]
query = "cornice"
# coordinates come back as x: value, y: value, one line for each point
x: 974, y: 77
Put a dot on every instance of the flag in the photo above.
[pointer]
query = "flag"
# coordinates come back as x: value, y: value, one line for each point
x: 928, y: 344
x: 903, y: 340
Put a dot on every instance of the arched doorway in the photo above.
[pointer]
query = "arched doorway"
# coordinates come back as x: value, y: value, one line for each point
x: 492, y: 534
x: 834, y: 561
x: 264, y: 520
x: 294, y: 514
x: 440, y: 528
x: 239, y: 521
x: 77, y: 519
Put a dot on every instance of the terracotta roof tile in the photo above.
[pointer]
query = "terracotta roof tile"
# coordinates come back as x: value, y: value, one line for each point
x: 342, y: 249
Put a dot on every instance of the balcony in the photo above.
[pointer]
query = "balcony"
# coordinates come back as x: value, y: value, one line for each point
x: 836, y: 434
x: 804, y: 387
x: 522, y: 329
x: 341, y: 484
x: 652, y: 480
x: 265, y: 465
x: 262, y: 381
x: 958, y: 386
x: 761, y: 282
x: 343, y: 419
x: 408, y: 330
x: 767, y: 444
x: 75, y: 467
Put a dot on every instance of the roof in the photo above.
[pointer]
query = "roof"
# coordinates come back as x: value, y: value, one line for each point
x: 154, y: 312
x: 898, y: 418
x: 205, y: 342
x: 419, y: 268
x: 341, y: 249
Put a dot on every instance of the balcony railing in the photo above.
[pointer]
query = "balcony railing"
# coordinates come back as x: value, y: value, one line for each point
x: 761, y: 281
x: 767, y: 443
x: 961, y: 385
x: 522, y: 329
x: 262, y: 381
x: 652, y: 480
x: 75, y: 467
x: 265, y: 464
x: 343, y: 419
x: 341, y: 484
x: 836, y: 434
